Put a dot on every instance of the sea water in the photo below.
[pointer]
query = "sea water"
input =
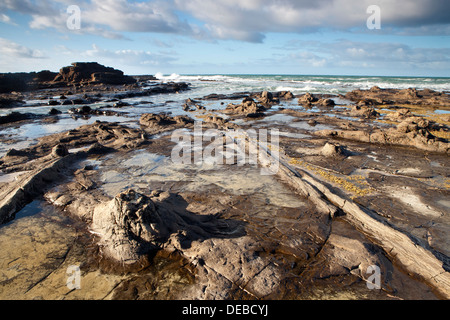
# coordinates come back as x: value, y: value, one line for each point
x: 300, y: 84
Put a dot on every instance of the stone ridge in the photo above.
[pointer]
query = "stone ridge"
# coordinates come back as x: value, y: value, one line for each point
x: 79, y: 73
x: 92, y: 73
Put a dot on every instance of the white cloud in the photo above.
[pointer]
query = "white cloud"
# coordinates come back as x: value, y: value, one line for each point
x: 120, y: 15
x: 129, y: 57
x: 243, y: 20
x: 110, y: 18
x: 308, y: 58
x: 250, y: 20
x: 6, y: 19
x: 10, y: 50
x: 368, y: 55
x: 246, y: 20
x: 15, y: 57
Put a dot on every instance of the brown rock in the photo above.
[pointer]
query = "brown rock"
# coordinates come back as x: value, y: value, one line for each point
x: 307, y: 99
x: 22, y: 81
x: 59, y: 150
x: 364, y: 112
x: 92, y: 73
x: 332, y: 150
x: 131, y: 225
x: 248, y: 107
x: 155, y: 120
x: 326, y: 103
x: 267, y: 99
x: 286, y: 95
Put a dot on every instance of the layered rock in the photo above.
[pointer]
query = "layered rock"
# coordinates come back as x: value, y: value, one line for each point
x: 307, y: 98
x: 267, y: 99
x: 86, y: 73
x: 92, y: 73
x: 44, y: 163
x: 285, y: 95
x: 332, y: 150
x: 413, y: 131
x: 160, y: 120
x: 192, y: 105
x: 132, y: 225
x: 248, y: 108
x: 16, y: 116
x: 11, y: 102
x: 378, y: 96
x: 22, y: 81
x: 364, y: 111
x: 129, y: 225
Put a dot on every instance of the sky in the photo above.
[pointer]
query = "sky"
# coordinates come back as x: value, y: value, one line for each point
x: 321, y: 37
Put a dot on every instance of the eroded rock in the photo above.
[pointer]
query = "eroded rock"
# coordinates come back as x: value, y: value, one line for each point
x: 92, y: 73
x: 307, y: 98
x: 418, y: 138
x: 132, y: 224
x: 328, y: 103
x: 60, y: 150
x: 248, y: 108
x: 364, y: 112
x: 285, y: 95
x: 332, y: 150
x: 16, y: 117
x: 266, y: 98
x: 160, y: 120
x: 378, y: 96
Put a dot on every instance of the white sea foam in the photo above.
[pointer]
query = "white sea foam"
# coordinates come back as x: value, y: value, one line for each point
x: 299, y: 84
x: 292, y: 89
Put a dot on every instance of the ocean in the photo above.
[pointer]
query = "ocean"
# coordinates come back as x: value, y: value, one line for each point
x: 299, y: 84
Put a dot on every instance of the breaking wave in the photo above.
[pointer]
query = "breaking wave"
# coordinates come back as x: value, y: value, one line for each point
x: 300, y: 84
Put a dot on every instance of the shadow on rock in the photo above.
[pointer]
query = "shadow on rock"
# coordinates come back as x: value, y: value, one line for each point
x: 132, y: 225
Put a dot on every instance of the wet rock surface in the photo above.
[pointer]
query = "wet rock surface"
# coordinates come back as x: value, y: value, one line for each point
x: 16, y: 117
x: 133, y: 225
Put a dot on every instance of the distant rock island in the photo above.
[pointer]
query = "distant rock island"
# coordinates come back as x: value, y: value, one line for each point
x: 78, y: 73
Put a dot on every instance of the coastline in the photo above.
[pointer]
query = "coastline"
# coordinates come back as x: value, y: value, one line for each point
x: 229, y: 233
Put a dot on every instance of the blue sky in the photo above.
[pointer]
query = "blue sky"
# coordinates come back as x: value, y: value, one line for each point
x: 323, y: 37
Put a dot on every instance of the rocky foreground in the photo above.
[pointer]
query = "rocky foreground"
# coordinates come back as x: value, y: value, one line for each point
x: 359, y: 185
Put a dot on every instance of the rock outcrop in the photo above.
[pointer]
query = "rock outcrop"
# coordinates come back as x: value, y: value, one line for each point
x: 307, y: 98
x: 248, y: 108
x: 327, y: 103
x: 132, y: 225
x: 413, y: 131
x: 364, y: 111
x: 11, y: 102
x: 92, y: 73
x: 16, y: 117
x: 267, y: 99
x: 285, y: 95
x: 378, y: 96
x: 79, y: 73
x: 332, y: 150
x: 22, y: 81
x: 46, y: 162
x: 160, y: 120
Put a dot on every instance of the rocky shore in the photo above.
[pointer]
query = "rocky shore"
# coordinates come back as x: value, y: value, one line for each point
x: 360, y: 184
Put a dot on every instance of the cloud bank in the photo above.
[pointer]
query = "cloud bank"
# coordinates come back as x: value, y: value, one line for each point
x: 170, y: 26
x: 248, y: 20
